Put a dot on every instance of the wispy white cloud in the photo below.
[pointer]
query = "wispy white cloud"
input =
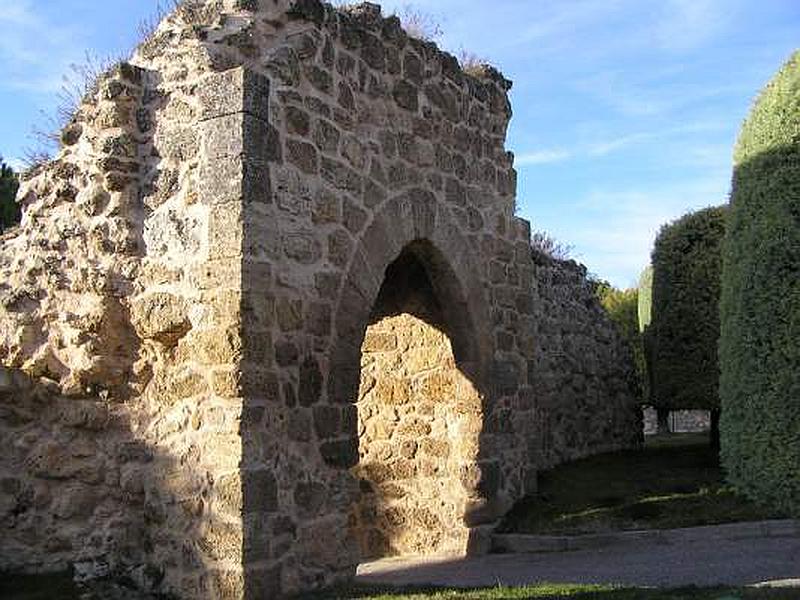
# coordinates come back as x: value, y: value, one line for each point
x: 605, y: 147
x: 688, y: 24
x: 555, y: 19
x: 681, y: 139
x: 651, y: 95
x: 542, y: 157
x: 620, y: 225
x: 35, y: 52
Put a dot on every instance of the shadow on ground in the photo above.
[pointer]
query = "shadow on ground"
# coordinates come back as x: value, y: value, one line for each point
x: 552, y: 592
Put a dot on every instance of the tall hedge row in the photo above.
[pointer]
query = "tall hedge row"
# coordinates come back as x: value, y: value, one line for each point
x: 684, y: 331
x: 760, y: 305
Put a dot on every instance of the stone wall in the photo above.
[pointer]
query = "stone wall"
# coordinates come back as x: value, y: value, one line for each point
x: 584, y: 372
x: 70, y: 482
x: 200, y: 270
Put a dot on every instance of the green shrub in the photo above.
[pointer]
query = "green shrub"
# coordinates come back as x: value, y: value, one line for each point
x: 9, y: 209
x: 760, y: 303
x: 684, y: 331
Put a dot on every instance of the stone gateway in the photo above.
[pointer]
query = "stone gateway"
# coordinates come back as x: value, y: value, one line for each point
x: 269, y: 313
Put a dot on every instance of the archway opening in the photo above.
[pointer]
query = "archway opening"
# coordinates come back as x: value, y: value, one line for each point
x: 419, y: 416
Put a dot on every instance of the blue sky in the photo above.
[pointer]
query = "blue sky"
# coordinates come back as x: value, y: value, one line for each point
x: 625, y: 111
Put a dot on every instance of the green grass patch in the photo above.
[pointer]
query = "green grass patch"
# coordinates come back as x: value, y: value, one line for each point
x: 553, y: 592
x: 61, y: 587
x: 675, y: 481
x: 38, y: 587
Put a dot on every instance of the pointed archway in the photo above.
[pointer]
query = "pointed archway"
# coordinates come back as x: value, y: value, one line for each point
x: 419, y: 418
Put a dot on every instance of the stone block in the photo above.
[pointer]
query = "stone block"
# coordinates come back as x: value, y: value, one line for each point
x: 406, y: 95
x: 160, y: 316
x: 259, y: 491
x: 238, y: 90
x: 327, y: 422
x: 229, y: 179
x: 311, y: 380
x: 341, y: 454
x: 302, y: 247
x: 341, y: 176
x: 302, y: 155
x: 298, y: 121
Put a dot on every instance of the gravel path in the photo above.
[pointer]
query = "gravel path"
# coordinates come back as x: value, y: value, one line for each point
x: 701, y: 563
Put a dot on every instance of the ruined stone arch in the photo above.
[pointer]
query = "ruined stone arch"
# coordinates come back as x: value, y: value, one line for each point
x: 414, y: 232
x: 405, y: 220
x: 191, y: 182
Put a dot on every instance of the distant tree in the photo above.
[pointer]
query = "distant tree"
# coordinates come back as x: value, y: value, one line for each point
x: 645, y: 318
x: 622, y: 307
x: 684, y: 331
x: 645, y: 298
x: 9, y: 209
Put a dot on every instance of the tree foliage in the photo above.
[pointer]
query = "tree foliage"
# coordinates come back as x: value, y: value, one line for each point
x: 622, y: 307
x: 9, y: 209
x: 760, y: 303
x: 645, y: 298
x: 684, y: 330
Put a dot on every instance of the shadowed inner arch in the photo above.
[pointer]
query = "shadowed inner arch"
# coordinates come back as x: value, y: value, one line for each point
x: 419, y: 413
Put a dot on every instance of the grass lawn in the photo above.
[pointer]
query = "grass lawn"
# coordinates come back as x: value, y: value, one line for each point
x: 37, y: 587
x: 675, y: 481
x: 561, y: 591
x: 60, y: 587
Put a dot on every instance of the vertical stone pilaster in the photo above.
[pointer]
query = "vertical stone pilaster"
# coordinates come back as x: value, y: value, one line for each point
x: 237, y: 144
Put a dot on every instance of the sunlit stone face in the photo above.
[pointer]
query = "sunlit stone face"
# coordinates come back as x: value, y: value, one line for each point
x: 419, y: 420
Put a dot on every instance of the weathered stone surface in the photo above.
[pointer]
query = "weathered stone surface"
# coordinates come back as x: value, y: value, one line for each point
x: 162, y: 317
x: 340, y: 453
x: 205, y: 355
x: 303, y: 155
x: 310, y: 383
x: 406, y: 96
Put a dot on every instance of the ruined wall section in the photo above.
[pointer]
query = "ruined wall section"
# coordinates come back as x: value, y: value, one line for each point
x: 72, y: 260
x: 383, y: 140
x: 120, y: 314
x: 583, y: 373
x: 196, y: 272
x: 372, y: 139
x: 69, y: 350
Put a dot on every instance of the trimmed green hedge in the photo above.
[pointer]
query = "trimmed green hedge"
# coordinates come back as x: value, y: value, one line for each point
x: 760, y: 305
x: 683, y: 334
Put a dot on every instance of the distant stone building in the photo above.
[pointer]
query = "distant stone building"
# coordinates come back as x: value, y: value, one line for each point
x: 679, y: 421
x: 270, y: 313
